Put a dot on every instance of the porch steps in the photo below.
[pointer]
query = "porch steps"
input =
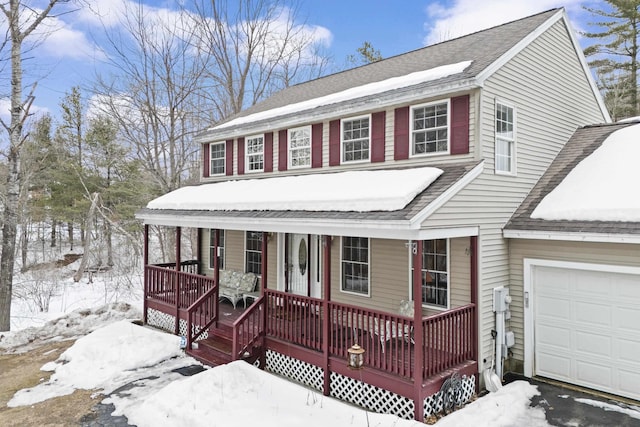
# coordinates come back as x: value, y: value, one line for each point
x: 216, y: 349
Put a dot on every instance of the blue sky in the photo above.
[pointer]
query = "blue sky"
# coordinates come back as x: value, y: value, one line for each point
x: 71, y: 54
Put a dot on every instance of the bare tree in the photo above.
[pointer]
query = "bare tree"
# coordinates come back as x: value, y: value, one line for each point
x: 22, y: 20
x: 257, y: 48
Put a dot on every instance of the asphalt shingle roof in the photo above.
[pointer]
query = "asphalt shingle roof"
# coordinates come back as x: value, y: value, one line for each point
x: 483, y: 48
x: 452, y: 173
x: 581, y: 144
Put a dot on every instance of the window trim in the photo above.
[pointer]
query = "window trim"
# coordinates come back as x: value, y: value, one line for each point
x: 259, y: 275
x: 448, y: 272
x: 289, y: 148
x: 247, y: 156
x: 342, y: 290
x: 412, y: 108
x: 224, y: 158
x: 222, y: 247
x: 513, y: 163
x: 350, y: 119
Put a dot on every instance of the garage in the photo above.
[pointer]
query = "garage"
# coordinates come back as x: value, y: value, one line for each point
x: 583, y: 325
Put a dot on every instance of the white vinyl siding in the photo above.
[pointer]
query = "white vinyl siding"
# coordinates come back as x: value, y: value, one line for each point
x: 530, y: 81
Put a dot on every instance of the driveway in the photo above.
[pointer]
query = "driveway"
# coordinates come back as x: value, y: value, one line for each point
x: 568, y: 406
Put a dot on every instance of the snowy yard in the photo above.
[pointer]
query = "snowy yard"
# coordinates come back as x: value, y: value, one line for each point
x: 112, y: 352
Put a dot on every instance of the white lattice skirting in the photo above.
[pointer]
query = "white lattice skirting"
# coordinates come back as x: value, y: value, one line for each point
x: 359, y: 393
x: 167, y: 322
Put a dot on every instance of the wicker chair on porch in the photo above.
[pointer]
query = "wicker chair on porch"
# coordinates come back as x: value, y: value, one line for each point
x: 392, y: 330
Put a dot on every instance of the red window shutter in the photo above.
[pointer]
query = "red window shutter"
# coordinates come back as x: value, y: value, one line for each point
x: 283, y: 149
x: 268, y: 152
x: 241, y: 156
x: 206, y: 155
x: 334, y: 143
x: 316, y: 145
x: 460, y: 125
x: 401, y: 134
x: 228, y: 151
x: 377, y: 136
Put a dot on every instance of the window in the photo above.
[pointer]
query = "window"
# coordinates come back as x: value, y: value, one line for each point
x: 300, y: 147
x: 355, y: 265
x: 430, y: 129
x: 435, y: 273
x: 253, y: 252
x: 255, y: 153
x: 355, y: 139
x: 505, y: 139
x: 218, y: 156
x: 212, y: 248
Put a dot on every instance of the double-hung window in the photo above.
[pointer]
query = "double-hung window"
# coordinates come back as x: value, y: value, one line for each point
x: 300, y: 147
x: 254, y: 150
x: 355, y: 265
x: 435, y: 273
x: 430, y: 128
x: 218, y: 157
x: 220, y: 249
x: 505, y: 139
x: 253, y: 252
x: 355, y: 139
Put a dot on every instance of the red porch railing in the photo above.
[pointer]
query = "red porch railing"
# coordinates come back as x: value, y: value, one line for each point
x: 201, y: 314
x: 448, y: 340
x: 175, y: 287
x: 295, y: 319
x: 386, y: 337
x: 248, y: 329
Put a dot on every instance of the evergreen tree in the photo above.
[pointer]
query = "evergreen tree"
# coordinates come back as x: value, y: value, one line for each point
x: 615, y: 55
x: 366, y: 54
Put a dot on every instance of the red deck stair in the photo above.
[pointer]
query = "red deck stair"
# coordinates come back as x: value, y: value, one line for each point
x: 215, y: 350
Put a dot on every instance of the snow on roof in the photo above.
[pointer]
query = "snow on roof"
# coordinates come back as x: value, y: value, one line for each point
x: 351, y: 191
x: 602, y: 187
x: 353, y: 93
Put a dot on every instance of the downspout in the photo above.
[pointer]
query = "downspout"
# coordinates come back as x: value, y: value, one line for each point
x: 418, y: 333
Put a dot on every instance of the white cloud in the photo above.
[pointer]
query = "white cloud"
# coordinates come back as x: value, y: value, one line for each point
x: 35, y: 112
x: 462, y: 17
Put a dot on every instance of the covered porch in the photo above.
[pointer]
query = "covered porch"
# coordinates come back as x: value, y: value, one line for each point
x: 409, y: 355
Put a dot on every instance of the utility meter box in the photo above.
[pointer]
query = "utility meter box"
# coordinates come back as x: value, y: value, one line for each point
x: 501, y: 299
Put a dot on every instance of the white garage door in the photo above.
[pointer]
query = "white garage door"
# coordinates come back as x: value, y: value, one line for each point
x: 587, y: 328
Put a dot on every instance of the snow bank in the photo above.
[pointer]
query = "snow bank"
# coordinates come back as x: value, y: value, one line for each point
x: 352, y: 191
x: 75, y: 324
x: 602, y: 187
x: 239, y: 394
x: 507, y: 407
x: 105, y: 359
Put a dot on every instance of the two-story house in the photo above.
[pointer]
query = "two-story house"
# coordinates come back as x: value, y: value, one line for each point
x: 370, y: 203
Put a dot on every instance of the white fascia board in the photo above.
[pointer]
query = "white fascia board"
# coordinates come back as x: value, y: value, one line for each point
x: 333, y: 111
x: 517, y: 48
x: 572, y: 236
x: 417, y: 220
x: 356, y: 228
x: 586, y: 69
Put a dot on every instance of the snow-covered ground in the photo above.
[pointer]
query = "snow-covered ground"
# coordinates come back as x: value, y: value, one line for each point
x: 236, y: 394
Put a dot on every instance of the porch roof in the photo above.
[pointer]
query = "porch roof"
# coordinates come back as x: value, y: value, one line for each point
x: 401, y: 219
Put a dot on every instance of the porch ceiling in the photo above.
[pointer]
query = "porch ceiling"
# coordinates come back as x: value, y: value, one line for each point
x: 404, y: 223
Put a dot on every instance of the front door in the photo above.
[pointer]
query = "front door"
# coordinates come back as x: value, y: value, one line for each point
x: 303, y: 267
